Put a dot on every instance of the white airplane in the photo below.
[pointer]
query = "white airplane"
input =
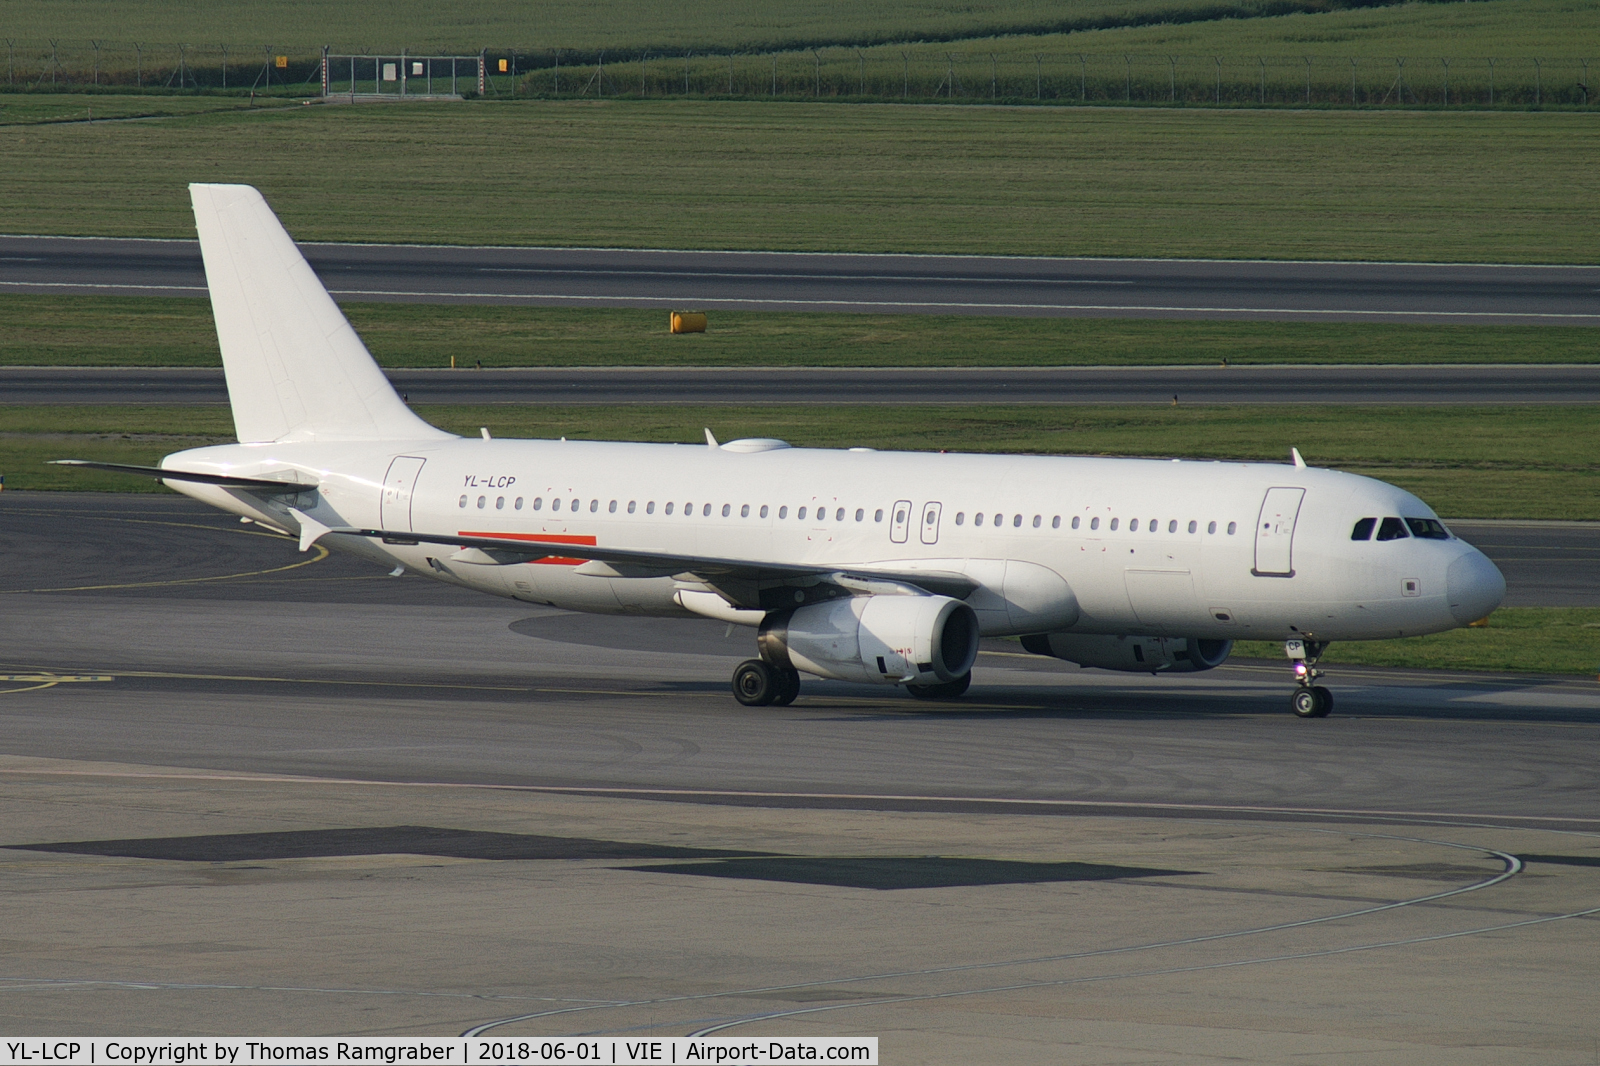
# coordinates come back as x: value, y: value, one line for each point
x: 861, y: 565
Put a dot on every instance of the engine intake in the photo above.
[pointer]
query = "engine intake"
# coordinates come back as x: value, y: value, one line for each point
x: 882, y: 639
x: 1144, y: 655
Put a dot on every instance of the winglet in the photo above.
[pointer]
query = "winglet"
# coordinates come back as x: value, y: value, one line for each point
x: 710, y: 440
x: 311, y: 530
x: 1294, y: 453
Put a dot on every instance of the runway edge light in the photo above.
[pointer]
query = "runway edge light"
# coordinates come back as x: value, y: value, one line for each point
x: 688, y: 322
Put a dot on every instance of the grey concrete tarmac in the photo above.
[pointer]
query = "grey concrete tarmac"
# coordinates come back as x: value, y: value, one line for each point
x: 983, y: 285
x: 327, y: 801
x: 1276, y: 385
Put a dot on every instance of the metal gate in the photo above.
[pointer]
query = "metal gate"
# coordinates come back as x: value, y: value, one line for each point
x: 1275, y: 532
x: 399, y: 484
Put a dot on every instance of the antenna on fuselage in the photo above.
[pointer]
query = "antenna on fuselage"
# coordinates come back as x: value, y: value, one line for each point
x: 1294, y: 453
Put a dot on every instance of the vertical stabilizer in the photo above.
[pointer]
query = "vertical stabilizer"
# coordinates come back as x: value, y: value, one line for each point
x: 296, y: 369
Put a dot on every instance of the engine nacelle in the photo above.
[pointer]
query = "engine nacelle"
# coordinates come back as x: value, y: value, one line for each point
x: 883, y: 639
x: 1143, y: 655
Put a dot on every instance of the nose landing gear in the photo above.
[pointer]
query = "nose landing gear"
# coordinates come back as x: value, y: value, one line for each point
x: 1310, y: 700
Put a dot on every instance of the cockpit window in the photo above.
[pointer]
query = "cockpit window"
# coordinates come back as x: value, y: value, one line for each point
x: 1392, y: 529
x: 1363, y: 530
x: 1428, y: 528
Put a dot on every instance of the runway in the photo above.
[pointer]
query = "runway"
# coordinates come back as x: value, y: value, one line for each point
x: 249, y: 790
x: 1276, y: 385
x: 889, y: 284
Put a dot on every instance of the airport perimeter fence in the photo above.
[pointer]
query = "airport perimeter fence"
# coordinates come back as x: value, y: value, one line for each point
x: 918, y: 73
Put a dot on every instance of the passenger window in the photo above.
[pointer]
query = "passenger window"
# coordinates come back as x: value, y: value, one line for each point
x: 575, y: 504
x: 705, y: 511
x: 1094, y: 523
x: 1392, y: 529
x: 899, y: 516
x: 1193, y: 525
x: 1172, y: 526
x: 1055, y: 523
x: 1016, y: 521
x: 783, y: 512
x: 1155, y: 525
x: 594, y: 506
x: 1211, y: 527
x: 631, y: 505
x: 499, y: 503
x: 877, y: 516
x: 1133, y: 526
x: 727, y: 509
x: 977, y: 518
x: 861, y: 514
x: 1363, y: 529
x: 668, y: 509
x: 650, y: 508
x: 613, y: 507
x: 999, y: 519
x: 961, y: 516
x: 800, y: 514
x: 463, y: 501
x: 1113, y: 523
x: 744, y: 510
x: 1038, y: 520
x: 1075, y: 521
x: 518, y: 504
x: 1428, y: 528
x: 838, y: 516
x: 481, y: 500
x: 763, y: 510
x: 538, y: 502
x: 555, y: 505
x: 1232, y: 527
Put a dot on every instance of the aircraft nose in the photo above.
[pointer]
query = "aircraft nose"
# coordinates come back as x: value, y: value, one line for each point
x: 1475, y: 586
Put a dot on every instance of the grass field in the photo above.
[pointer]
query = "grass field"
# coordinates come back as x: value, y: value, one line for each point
x: 1286, y: 59
x: 1546, y: 640
x: 1541, y: 462
x: 467, y: 25
x: 155, y: 331
x: 22, y: 109
x: 1300, y: 185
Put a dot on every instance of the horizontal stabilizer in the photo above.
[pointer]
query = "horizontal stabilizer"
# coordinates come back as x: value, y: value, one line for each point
x: 227, y: 481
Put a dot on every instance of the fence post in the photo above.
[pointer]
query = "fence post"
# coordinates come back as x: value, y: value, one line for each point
x: 774, y: 74
x: 1172, y: 79
x: 730, y: 73
x: 861, y: 73
x: 686, y: 56
x: 994, y: 79
x: 1038, y: 77
x: 1083, y: 78
x: 1538, y: 84
x: 1352, y: 81
x: 138, y: 66
x: 644, y: 57
x: 1263, y: 63
x: 1219, y: 79
x: 1127, y: 74
x: 817, y: 86
x: 11, y: 60
x: 183, y: 66
x: 97, y: 64
x: 1491, y: 82
x: 324, y: 69
x: 1308, y: 79
x: 558, y: 73
x: 483, y: 70
x: 905, y: 85
x: 950, y: 76
x: 1584, y: 84
x: 1446, y: 64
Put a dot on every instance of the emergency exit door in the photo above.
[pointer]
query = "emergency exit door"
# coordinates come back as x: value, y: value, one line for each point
x: 1275, y: 532
x: 399, y: 484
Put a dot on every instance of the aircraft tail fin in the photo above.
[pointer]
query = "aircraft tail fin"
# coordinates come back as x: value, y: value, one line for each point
x: 296, y: 369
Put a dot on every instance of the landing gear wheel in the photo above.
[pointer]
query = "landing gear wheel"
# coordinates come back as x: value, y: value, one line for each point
x: 947, y: 690
x: 1311, y: 702
x: 755, y: 684
x: 788, y: 686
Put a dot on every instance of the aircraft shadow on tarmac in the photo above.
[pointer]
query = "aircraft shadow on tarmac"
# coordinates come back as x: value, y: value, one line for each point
x: 872, y: 871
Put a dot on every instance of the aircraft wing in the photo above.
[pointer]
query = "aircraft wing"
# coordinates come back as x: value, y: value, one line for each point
x: 227, y: 481
x: 741, y: 579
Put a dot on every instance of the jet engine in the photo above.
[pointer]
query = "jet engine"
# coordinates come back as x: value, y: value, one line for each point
x: 1143, y: 655
x: 880, y: 639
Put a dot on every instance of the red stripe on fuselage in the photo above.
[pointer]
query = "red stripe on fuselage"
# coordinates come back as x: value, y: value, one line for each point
x: 541, y: 538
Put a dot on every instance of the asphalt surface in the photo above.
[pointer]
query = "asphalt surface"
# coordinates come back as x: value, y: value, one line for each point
x: 1307, y: 385
x: 1389, y: 292
x: 250, y: 790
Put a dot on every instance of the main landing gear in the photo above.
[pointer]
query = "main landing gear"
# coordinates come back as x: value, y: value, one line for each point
x: 1310, y: 700
x: 759, y: 684
x: 947, y: 690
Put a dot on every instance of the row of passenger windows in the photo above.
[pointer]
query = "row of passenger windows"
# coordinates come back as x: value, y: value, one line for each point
x: 997, y: 520
x: 1396, y: 529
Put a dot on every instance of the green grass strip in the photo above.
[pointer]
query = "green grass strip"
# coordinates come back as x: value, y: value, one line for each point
x: 152, y: 331
x: 1546, y: 640
x: 1491, y: 462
